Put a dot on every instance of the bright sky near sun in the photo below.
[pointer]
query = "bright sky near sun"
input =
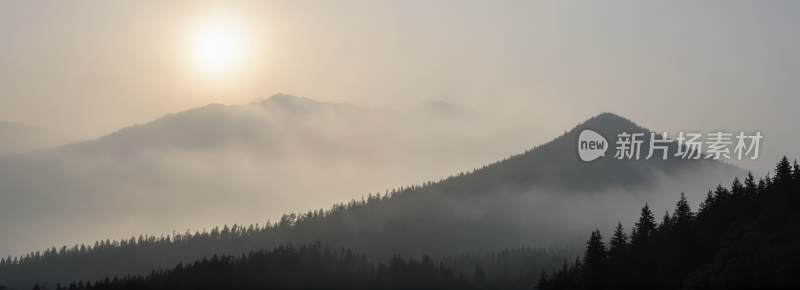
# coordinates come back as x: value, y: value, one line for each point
x: 217, y: 48
x: 217, y: 40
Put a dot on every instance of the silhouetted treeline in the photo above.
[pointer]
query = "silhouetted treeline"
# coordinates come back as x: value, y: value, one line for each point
x: 746, y: 236
x: 310, y: 267
x: 136, y: 256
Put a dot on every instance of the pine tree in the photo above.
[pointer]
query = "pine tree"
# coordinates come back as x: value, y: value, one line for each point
x: 783, y: 173
x: 226, y: 232
x: 666, y: 224
x: 683, y: 215
x: 618, y: 243
x: 768, y: 181
x: 564, y: 269
x: 646, y: 225
x: 618, y: 256
x: 737, y: 188
x: 750, y: 187
x: 544, y: 281
x: 576, y: 268
x: 708, y: 202
x: 677, y: 249
x: 594, y: 262
x: 644, y: 252
x: 762, y: 185
x: 721, y: 194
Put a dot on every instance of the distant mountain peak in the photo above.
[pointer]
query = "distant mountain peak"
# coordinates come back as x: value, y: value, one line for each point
x: 607, y: 116
x: 610, y: 123
x: 276, y: 97
x: 282, y: 97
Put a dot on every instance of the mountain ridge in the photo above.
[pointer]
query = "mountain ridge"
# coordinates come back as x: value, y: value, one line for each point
x: 502, y: 204
x: 520, y: 192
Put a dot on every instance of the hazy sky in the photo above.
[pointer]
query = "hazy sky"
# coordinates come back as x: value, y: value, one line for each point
x: 93, y: 67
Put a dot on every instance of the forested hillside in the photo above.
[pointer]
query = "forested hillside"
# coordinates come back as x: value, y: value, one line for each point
x: 143, y: 254
x: 312, y: 267
x: 535, y: 198
x: 745, y: 236
x: 259, y: 156
x: 124, y: 258
x: 742, y: 237
x: 524, y: 199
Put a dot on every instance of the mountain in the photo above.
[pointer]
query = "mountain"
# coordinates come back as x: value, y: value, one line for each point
x: 228, y: 164
x: 544, y: 196
x: 18, y: 138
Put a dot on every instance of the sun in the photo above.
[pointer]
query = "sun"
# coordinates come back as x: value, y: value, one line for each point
x: 217, y: 48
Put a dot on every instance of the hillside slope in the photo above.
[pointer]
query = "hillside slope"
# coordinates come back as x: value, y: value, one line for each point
x: 171, y: 173
x: 543, y: 197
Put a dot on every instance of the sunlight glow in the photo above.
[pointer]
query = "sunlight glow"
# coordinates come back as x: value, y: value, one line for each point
x: 217, y: 48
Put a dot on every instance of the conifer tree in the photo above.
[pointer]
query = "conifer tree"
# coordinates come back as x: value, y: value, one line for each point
x: 576, y: 267
x: 783, y: 173
x: 706, y: 204
x: 666, y: 224
x: 768, y: 181
x: 750, y: 186
x: 594, y: 262
x: 618, y: 256
x: 646, y: 225
x: 618, y: 243
x: 736, y: 187
x: 678, y: 251
x: 683, y: 215
x: 721, y: 194
x: 762, y: 185
x: 544, y: 281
